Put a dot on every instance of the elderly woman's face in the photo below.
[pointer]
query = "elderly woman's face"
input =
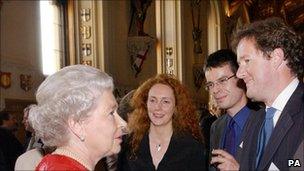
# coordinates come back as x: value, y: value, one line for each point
x: 161, y: 104
x: 103, y: 127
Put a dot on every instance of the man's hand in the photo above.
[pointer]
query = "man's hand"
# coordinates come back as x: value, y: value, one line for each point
x: 224, y: 160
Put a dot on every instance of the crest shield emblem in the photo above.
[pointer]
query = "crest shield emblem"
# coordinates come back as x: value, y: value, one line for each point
x: 5, y: 79
x: 85, y: 14
x: 26, y: 82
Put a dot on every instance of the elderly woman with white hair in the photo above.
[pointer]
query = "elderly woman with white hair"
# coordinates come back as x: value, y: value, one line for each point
x: 76, y: 113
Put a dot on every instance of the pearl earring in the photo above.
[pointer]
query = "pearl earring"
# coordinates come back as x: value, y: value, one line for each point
x: 82, y: 138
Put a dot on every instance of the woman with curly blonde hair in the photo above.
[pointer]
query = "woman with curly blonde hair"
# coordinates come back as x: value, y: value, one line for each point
x: 165, y: 129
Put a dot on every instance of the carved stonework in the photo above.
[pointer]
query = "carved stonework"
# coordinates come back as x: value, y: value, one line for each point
x: 86, y: 23
x: 85, y: 32
x: 85, y: 14
x: 86, y: 62
x: 86, y: 49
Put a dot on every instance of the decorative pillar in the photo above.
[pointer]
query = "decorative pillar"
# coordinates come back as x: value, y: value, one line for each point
x: 169, y: 45
x: 82, y: 33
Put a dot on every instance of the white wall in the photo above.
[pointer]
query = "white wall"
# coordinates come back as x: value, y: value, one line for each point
x: 20, y: 47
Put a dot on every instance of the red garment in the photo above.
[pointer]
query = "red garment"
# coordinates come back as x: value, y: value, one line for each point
x: 59, y: 162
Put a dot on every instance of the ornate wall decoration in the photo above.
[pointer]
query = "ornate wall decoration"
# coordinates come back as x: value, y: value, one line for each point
x: 196, y: 32
x: 198, y: 75
x: 86, y: 62
x: 244, y: 11
x: 169, y: 61
x: 139, y: 10
x: 26, y: 82
x: 139, y: 42
x: 6, y: 79
x: 85, y: 32
x: 138, y: 48
x: 86, y: 22
x: 236, y: 16
x: 85, y: 14
x: 86, y: 49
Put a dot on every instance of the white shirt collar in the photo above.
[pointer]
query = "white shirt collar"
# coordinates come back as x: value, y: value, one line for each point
x: 280, y: 102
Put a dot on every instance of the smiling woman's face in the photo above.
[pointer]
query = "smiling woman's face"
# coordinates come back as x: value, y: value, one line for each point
x: 161, y: 104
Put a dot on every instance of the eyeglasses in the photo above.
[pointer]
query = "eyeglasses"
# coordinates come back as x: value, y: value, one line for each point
x: 222, y: 81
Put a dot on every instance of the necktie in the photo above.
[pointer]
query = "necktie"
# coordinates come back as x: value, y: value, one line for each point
x: 230, y: 140
x: 265, y: 133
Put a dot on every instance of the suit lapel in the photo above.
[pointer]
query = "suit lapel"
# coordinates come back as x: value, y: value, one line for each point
x: 219, y: 134
x: 254, y: 136
x: 283, y: 125
x: 216, y: 137
x: 246, y: 155
x: 276, y: 138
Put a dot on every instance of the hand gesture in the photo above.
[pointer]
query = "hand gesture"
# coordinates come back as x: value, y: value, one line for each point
x: 224, y: 160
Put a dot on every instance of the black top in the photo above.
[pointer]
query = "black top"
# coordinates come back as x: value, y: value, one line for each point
x: 10, y: 149
x: 183, y: 153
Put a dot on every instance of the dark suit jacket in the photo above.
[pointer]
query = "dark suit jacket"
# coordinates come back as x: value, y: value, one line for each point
x: 216, y: 132
x: 299, y: 155
x: 285, y: 138
x: 218, y: 129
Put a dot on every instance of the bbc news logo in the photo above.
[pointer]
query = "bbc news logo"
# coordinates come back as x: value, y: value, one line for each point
x: 294, y: 163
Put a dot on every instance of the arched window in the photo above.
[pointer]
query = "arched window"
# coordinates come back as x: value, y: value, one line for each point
x: 52, y: 49
x: 214, y: 27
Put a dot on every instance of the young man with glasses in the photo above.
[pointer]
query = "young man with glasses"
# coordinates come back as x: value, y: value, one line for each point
x: 230, y: 94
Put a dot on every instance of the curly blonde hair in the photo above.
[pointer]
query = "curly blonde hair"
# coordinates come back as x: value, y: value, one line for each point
x: 185, y: 118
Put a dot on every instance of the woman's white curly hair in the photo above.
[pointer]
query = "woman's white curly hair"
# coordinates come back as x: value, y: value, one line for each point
x: 69, y: 93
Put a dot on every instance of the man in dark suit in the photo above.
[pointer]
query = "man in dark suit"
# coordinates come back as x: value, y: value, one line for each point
x: 271, y: 61
x: 298, y: 158
x: 229, y: 94
x: 10, y: 147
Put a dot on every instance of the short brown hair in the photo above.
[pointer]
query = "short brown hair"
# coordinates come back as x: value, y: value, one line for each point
x: 274, y: 33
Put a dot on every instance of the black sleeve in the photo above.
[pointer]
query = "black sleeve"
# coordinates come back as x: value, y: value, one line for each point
x: 198, y: 158
x: 122, y: 160
x: 2, y: 161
